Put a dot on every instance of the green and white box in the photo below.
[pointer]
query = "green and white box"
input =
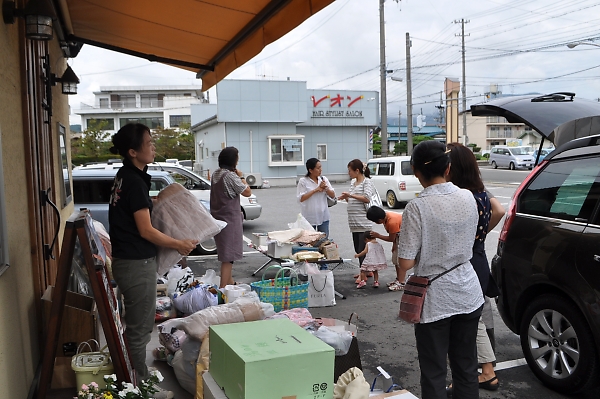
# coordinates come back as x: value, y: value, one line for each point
x: 270, y: 359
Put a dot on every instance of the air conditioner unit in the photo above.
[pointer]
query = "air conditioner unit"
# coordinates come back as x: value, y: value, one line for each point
x: 253, y: 179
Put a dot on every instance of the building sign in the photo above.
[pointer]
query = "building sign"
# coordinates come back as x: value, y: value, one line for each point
x: 337, y: 101
x: 337, y: 114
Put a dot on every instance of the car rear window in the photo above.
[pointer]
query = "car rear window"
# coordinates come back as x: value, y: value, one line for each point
x: 92, y: 191
x: 405, y: 168
x: 567, y: 190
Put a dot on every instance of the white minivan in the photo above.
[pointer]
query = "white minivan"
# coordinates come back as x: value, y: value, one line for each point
x: 394, y: 179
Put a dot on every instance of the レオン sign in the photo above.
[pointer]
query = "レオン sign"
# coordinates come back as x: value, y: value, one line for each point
x: 333, y: 101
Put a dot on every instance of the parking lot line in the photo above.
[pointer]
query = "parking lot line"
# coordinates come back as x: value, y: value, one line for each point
x: 509, y: 364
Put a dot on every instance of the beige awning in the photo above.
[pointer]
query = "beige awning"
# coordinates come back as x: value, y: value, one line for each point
x: 211, y: 37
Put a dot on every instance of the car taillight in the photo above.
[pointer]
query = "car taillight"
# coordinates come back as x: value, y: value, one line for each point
x: 512, y: 205
x: 402, y: 186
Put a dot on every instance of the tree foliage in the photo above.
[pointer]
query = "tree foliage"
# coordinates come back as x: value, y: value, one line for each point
x: 174, y: 144
x: 401, y: 147
x: 93, y: 142
x: 376, y: 144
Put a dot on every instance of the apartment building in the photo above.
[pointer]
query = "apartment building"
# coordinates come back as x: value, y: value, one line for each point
x: 489, y: 131
x: 154, y: 106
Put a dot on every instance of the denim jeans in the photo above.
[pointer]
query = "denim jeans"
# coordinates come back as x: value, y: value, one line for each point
x: 323, y: 228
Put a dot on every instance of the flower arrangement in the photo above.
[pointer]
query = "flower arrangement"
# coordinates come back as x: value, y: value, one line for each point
x: 129, y: 391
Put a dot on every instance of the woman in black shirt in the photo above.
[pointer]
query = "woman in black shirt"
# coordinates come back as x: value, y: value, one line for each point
x: 134, y: 240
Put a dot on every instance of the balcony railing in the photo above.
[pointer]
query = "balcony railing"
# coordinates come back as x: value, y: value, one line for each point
x: 500, y: 135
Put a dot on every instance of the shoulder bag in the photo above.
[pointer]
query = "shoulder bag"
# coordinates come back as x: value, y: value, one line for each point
x: 411, y: 304
x: 374, y: 198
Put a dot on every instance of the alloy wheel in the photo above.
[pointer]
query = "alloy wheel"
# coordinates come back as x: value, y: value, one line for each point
x: 553, y: 344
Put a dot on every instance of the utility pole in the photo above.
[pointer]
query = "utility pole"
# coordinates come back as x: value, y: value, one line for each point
x: 382, y: 72
x: 464, y: 80
x: 409, y: 119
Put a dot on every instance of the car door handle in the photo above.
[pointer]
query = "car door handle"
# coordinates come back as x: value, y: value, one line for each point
x: 597, y: 258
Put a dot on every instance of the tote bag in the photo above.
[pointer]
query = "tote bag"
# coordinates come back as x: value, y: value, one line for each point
x: 374, y: 198
x: 320, y: 289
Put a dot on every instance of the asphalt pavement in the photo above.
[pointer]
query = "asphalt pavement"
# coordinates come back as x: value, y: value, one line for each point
x: 384, y: 340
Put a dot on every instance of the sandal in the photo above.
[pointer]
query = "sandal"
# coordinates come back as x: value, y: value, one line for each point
x: 358, y: 280
x: 488, y: 386
x: 396, y: 287
x: 391, y: 283
x: 376, y: 284
x: 362, y: 284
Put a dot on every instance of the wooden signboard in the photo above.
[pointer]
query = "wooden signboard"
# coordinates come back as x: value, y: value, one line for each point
x: 80, y: 226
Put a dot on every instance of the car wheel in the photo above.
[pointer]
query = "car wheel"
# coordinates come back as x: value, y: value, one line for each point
x: 391, y: 200
x: 208, y: 247
x: 558, y: 345
x: 494, y: 165
x: 511, y: 166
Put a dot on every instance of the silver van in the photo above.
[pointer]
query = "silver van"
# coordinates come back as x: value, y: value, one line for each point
x: 92, y: 188
x: 394, y: 179
x: 511, y: 157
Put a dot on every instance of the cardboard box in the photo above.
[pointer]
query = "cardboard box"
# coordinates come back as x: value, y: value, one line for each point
x: 210, y: 387
x: 278, y: 249
x: 79, y: 321
x: 270, y: 359
x: 63, y: 375
x: 331, y: 251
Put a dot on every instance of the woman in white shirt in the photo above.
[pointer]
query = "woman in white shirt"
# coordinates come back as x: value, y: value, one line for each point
x: 312, y: 192
x: 437, y: 234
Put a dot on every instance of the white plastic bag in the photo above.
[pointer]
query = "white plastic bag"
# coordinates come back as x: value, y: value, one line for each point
x: 233, y: 292
x: 301, y: 223
x: 210, y: 278
x: 178, y: 278
x: 340, y: 341
x: 194, y: 300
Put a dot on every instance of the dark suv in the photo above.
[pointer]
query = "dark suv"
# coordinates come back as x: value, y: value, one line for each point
x: 548, y: 267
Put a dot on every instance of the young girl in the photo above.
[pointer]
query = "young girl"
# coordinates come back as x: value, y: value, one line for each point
x: 374, y: 261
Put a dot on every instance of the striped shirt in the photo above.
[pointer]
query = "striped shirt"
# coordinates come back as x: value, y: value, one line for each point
x: 357, y: 211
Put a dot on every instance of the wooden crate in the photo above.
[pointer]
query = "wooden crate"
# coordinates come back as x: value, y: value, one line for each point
x: 79, y: 321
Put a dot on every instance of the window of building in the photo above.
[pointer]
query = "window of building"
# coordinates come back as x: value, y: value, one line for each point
x: 507, y: 131
x: 322, y: 152
x: 177, y: 120
x: 102, y: 124
x: 151, y: 101
x: 66, y: 187
x: 286, y: 150
x: 126, y: 101
x: 103, y: 102
x: 152, y: 123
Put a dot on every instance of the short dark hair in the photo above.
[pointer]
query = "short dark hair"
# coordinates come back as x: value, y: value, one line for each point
x: 375, y: 214
x: 357, y: 164
x: 228, y: 158
x: 430, y: 159
x: 129, y: 137
x: 369, y: 235
x: 311, y: 164
x: 464, y: 171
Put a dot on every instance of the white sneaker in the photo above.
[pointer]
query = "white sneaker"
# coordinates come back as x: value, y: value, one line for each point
x: 162, y: 393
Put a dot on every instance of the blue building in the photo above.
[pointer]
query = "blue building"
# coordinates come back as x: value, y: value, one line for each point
x: 278, y: 125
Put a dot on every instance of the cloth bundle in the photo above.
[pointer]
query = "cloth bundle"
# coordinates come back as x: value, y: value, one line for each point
x: 178, y: 214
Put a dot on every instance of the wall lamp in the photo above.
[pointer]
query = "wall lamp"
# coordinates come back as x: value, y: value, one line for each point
x: 68, y: 80
x: 38, y: 16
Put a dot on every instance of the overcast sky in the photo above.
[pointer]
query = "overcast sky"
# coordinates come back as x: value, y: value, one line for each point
x: 518, y: 44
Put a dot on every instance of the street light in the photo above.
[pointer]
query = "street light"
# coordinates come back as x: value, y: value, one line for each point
x: 575, y: 44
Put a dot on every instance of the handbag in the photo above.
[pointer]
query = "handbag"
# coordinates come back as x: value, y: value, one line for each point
x: 331, y: 201
x: 411, y: 304
x: 374, y: 199
x: 320, y: 289
x: 282, y: 292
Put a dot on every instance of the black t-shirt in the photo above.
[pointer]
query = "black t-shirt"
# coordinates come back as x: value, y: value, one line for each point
x: 130, y: 193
